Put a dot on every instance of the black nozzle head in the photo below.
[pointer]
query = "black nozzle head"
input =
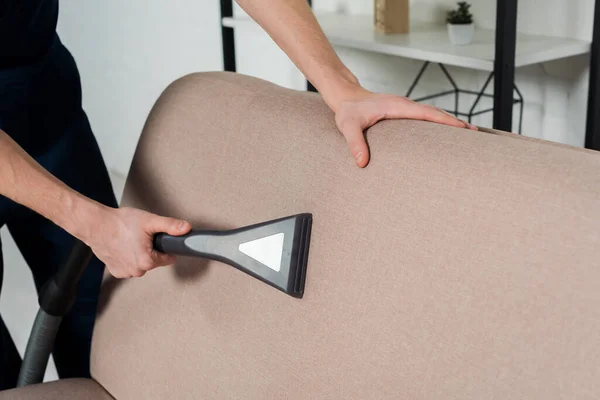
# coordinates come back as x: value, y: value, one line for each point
x: 276, y: 252
x: 299, y: 261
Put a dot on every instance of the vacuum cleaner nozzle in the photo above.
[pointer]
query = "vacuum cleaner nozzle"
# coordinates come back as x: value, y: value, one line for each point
x: 276, y: 252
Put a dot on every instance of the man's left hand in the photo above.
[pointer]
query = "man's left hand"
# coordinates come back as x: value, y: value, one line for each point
x: 363, y: 109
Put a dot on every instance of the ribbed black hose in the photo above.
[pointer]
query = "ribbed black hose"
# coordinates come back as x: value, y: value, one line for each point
x: 38, y: 349
x: 56, y: 298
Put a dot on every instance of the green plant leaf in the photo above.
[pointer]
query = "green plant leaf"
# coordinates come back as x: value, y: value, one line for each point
x: 460, y: 15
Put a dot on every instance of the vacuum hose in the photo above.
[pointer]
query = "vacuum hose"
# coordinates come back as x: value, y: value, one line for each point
x: 38, y: 349
x: 56, y: 299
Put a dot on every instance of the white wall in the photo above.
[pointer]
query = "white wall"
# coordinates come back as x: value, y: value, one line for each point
x: 128, y: 52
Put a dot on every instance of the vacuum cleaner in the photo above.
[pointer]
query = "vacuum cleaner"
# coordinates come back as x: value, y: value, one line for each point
x: 275, y: 252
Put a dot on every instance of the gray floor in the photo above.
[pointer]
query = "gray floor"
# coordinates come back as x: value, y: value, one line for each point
x: 18, y: 303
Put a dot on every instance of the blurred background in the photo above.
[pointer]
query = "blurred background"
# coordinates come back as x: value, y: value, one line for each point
x: 128, y: 52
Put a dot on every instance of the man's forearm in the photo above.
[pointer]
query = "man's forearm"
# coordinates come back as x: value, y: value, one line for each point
x: 294, y: 28
x: 24, y: 181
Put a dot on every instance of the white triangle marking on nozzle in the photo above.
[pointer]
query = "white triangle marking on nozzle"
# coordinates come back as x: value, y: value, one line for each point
x: 266, y: 250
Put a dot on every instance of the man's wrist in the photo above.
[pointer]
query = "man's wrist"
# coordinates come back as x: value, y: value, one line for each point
x: 339, y: 87
x: 82, y: 216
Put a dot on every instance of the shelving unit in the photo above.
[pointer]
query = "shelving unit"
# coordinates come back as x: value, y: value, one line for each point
x: 430, y: 42
x: 498, y: 52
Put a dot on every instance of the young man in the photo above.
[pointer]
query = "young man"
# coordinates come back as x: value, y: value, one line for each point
x: 54, y: 180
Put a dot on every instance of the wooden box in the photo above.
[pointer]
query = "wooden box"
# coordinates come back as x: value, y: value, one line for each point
x: 392, y: 16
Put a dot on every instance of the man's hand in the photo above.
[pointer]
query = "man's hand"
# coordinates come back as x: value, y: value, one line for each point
x: 295, y: 29
x: 363, y: 109
x: 122, y: 239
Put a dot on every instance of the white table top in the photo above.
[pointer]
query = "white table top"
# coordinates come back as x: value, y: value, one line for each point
x: 429, y: 42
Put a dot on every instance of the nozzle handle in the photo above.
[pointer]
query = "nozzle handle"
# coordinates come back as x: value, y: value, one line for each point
x: 169, y: 244
x: 194, y: 243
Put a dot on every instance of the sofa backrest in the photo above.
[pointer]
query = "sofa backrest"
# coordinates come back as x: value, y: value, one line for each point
x: 457, y: 265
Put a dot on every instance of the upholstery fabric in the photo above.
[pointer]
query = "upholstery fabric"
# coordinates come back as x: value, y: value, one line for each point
x: 72, y: 389
x: 457, y: 265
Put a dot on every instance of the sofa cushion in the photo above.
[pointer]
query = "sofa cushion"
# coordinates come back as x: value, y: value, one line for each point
x: 457, y: 265
x: 72, y: 389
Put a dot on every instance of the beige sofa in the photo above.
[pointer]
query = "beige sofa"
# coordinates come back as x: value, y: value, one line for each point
x: 457, y: 265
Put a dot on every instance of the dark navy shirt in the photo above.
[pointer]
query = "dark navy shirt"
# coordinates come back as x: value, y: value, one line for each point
x: 27, y: 29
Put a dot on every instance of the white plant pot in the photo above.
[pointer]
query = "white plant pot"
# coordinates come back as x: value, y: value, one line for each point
x: 461, y: 34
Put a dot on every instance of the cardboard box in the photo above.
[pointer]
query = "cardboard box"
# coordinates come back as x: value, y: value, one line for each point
x: 392, y: 16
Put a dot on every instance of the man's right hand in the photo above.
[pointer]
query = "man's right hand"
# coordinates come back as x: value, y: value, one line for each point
x: 122, y: 240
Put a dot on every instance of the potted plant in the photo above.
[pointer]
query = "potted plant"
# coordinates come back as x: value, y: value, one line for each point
x: 460, y: 24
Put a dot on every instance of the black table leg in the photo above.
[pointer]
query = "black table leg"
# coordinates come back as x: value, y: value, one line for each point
x: 456, y: 89
x: 309, y: 86
x: 480, y: 94
x: 227, y: 37
x: 592, y: 136
x: 504, y: 64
